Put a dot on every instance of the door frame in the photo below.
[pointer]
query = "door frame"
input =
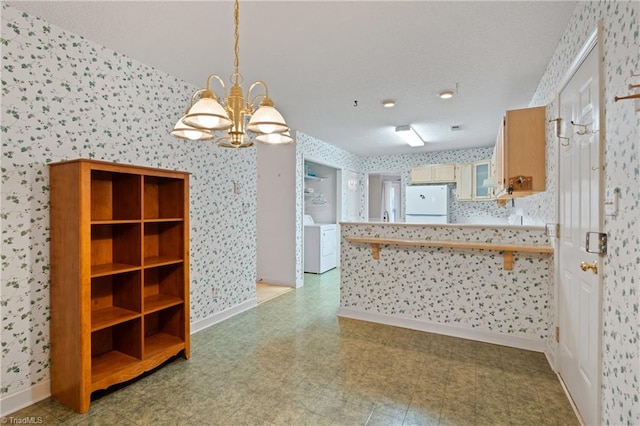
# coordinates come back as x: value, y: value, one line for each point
x: 366, y: 190
x: 594, y: 41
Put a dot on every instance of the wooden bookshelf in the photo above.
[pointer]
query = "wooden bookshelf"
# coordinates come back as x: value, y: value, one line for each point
x: 119, y: 274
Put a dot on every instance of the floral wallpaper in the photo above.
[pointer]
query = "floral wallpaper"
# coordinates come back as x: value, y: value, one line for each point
x: 443, y: 287
x: 621, y: 303
x: 64, y: 97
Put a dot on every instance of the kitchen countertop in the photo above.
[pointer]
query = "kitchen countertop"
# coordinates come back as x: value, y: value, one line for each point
x: 450, y: 225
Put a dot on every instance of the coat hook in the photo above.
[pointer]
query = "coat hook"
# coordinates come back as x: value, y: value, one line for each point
x: 558, y: 131
x: 585, y: 126
x: 634, y: 86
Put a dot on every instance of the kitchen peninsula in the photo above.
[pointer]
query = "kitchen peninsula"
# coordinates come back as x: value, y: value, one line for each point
x: 487, y: 283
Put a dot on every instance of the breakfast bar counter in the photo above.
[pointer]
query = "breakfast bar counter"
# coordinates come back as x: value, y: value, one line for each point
x: 488, y: 283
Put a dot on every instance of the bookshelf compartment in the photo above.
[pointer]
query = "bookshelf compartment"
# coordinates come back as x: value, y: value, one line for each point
x: 115, y: 196
x: 115, y: 248
x: 115, y: 299
x: 163, y: 243
x: 164, y: 329
x: 163, y: 198
x: 115, y: 348
x: 163, y: 287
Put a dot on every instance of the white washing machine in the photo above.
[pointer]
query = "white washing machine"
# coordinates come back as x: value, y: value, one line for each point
x: 320, y: 246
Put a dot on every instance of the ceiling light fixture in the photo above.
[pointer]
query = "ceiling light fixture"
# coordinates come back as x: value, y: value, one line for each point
x: 206, y: 114
x: 388, y: 103
x: 409, y: 135
x: 446, y: 94
x: 449, y: 93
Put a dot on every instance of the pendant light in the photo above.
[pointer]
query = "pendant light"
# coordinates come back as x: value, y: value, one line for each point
x: 237, y: 116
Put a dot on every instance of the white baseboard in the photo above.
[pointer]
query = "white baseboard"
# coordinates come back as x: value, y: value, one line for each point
x: 24, y: 398
x: 503, y: 339
x: 550, y: 353
x: 221, y: 316
x: 269, y: 281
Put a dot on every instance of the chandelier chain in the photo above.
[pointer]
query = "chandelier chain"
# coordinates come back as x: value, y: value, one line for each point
x: 237, y: 38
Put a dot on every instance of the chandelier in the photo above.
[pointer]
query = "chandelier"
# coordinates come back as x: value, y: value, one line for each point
x: 236, y: 115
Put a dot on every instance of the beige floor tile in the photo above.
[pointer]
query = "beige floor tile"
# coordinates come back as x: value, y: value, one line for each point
x: 458, y: 413
x: 421, y: 418
x: 381, y: 419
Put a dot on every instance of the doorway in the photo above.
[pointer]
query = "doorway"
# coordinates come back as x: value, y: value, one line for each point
x: 384, y: 197
x: 580, y: 217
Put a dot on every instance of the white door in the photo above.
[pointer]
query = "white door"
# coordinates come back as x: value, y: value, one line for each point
x: 579, y: 213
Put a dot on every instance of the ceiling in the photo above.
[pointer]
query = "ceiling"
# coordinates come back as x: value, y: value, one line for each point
x: 320, y: 58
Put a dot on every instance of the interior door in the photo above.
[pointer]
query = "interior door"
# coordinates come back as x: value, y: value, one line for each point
x: 579, y: 211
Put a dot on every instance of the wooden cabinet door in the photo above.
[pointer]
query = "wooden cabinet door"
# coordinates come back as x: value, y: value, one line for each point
x: 421, y: 174
x: 481, y: 173
x: 499, y: 160
x: 444, y: 173
x: 464, y: 188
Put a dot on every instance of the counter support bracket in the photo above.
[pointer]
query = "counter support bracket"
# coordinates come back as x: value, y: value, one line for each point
x: 375, y: 250
x: 508, y: 261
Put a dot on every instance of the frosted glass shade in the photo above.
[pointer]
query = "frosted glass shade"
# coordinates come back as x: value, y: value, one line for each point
x: 275, y: 138
x: 184, y: 131
x: 207, y: 113
x: 267, y: 120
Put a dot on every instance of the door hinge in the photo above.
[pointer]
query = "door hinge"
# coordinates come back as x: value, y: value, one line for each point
x: 552, y: 230
x: 557, y: 334
x: 598, y: 242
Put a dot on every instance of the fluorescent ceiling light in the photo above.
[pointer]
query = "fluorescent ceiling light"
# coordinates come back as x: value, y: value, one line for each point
x: 409, y: 135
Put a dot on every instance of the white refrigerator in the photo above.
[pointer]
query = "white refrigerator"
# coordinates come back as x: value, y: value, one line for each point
x: 427, y: 204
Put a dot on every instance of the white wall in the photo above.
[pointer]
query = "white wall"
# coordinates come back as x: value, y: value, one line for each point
x: 276, y: 211
x: 375, y: 197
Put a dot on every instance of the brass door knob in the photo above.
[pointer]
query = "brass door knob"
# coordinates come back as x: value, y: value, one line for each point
x: 586, y: 266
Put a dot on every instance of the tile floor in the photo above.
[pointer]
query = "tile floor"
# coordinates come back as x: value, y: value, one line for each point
x: 266, y: 292
x: 291, y: 361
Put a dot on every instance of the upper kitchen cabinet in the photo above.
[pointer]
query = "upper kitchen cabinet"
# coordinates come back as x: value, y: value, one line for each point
x: 433, y: 173
x: 473, y: 181
x: 464, y: 184
x: 519, y: 155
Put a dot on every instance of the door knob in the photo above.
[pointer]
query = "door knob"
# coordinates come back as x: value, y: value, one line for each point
x: 586, y: 266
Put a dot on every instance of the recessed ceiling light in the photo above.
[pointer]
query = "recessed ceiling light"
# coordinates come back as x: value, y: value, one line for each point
x: 388, y: 103
x: 447, y: 94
